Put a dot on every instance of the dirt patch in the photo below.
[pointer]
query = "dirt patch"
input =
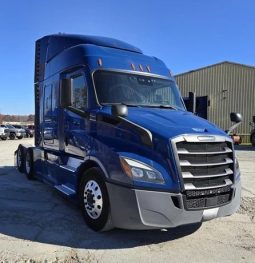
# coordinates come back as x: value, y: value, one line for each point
x: 247, y: 207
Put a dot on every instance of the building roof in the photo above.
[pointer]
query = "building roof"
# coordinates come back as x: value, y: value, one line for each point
x: 214, y: 65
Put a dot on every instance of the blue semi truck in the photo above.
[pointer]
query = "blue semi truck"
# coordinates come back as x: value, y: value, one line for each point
x: 112, y: 133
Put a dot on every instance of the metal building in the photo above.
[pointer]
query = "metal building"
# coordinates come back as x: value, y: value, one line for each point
x: 226, y: 87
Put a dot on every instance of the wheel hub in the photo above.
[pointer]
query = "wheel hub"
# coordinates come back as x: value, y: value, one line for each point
x: 93, y: 201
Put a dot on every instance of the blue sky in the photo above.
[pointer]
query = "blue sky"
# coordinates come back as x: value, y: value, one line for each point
x: 185, y: 34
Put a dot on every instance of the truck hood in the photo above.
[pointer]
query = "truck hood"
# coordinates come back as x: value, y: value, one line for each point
x: 169, y: 123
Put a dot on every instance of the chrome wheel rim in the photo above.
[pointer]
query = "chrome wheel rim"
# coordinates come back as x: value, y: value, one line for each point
x: 28, y: 163
x: 93, y: 200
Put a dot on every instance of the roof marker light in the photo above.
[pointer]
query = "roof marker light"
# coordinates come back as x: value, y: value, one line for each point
x: 141, y: 67
x: 100, y: 62
x: 148, y: 68
x: 133, y: 66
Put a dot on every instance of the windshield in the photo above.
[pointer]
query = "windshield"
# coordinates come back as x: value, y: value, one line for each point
x: 136, y: 90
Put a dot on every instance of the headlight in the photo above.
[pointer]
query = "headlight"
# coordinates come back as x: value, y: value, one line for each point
x: 141, y: 172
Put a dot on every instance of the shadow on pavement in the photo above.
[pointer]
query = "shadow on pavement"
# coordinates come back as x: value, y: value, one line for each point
x: 33, y: 211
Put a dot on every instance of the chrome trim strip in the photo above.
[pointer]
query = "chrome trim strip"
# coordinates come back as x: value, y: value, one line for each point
x: 187, y: 163
x: 184, y: 151
x: 68, y: 168
x: 187, y: 175
x: 197, y: 138
x: 140, y: 127
x: 190, y: 186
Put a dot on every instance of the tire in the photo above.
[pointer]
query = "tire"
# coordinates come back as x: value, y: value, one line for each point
x: 94, y: 200
x: 20, y: 159
x: 29, y: 164
x: 253, y: 139
x: 19, y: 137
x: 12, y: 136
x: 4, y: 138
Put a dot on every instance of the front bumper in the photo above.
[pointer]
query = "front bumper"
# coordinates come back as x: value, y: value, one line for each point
x: 142, y: 209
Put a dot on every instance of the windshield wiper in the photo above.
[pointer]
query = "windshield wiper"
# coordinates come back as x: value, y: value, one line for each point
x: 168, y: 107
x: 130, y: 105
x: 122, y: 103
x: 162, y: 106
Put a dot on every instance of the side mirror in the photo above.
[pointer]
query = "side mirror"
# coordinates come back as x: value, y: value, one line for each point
x: 119, y: 110
x: 65, y: 93
x: 236, y: 117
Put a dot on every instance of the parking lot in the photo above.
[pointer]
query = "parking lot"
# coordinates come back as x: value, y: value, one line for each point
x: 39, y: 225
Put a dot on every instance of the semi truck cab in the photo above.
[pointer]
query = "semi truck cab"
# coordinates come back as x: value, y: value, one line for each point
x: 112, y: 132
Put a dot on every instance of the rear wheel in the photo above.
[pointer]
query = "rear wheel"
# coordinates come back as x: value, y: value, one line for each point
x: 4, y: 138
x: 29, y: 164
x: 94, y: 200
x: 19, y: 137
x: 20, y: 159
x: 253, y: 139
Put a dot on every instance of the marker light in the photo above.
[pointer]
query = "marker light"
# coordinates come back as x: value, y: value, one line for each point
x: 148, y: 68
x: 141, y: 67
x: 133, y: 66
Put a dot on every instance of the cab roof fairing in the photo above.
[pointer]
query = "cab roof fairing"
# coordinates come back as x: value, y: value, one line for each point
x: 112, y: 58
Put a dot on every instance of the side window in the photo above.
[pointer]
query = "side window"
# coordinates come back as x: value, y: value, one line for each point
x: 79, y: 92
x: 47, y: 102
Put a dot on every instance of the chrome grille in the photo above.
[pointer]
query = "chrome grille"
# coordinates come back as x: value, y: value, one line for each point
x: 206, y: 167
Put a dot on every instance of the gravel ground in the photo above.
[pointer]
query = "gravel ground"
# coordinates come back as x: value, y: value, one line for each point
x: 39, y: 225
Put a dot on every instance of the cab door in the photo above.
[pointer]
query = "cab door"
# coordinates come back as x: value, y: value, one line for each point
x: 75, y: 132
x: 73, y: 139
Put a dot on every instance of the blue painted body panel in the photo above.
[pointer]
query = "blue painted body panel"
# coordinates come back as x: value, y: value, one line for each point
x: 74, y: 136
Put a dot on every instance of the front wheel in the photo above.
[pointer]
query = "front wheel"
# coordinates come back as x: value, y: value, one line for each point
x: 253, y: 139
x: 94, y: 200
